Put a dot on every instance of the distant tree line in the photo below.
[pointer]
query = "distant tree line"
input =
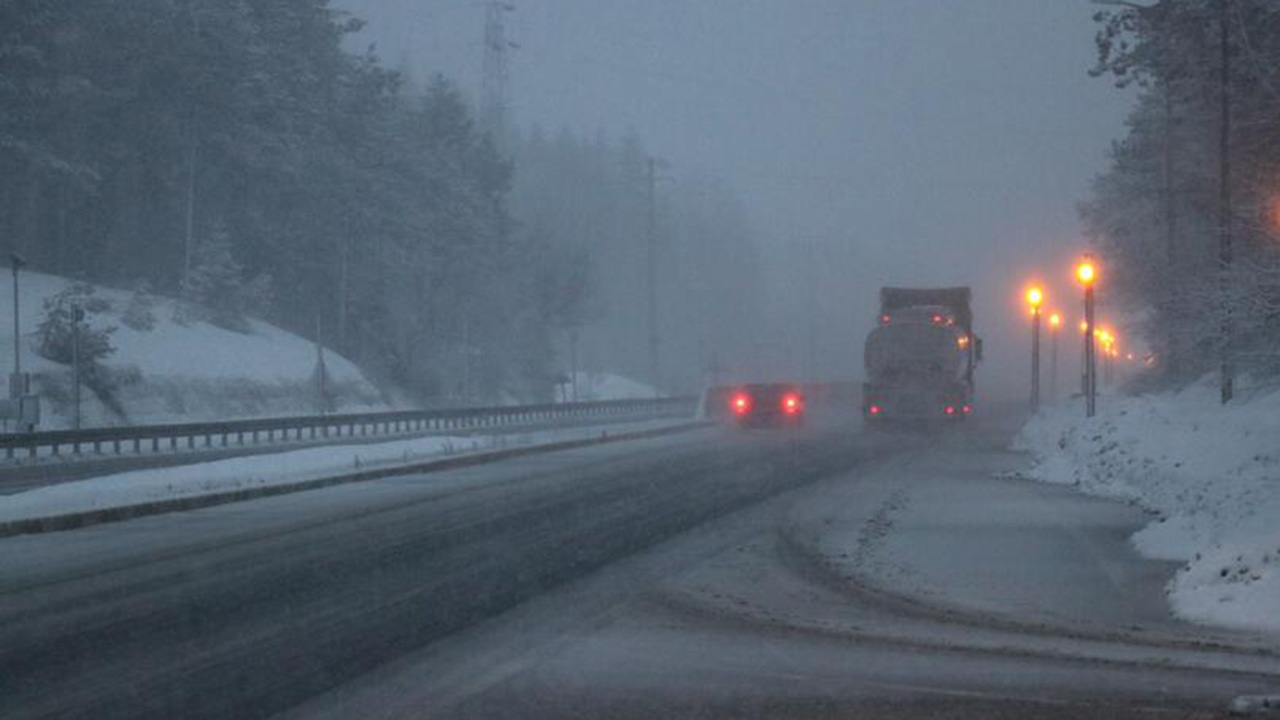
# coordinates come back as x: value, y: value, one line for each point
x: 236, y: 155
x: 591, y: 196
x: 1156, y: 213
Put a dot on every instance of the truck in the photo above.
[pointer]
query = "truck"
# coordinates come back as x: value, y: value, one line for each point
x: 920, y: 357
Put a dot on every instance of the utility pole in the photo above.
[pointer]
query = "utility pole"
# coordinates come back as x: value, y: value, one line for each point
x: 493, y: 94
x: 1170, y: 203
x: 77, y: 314
x: 466, y: 359
x: 812, y: 312
x: 193, y: 150
x: 1173, y: 305
x: 189, y: 240
x: 344, y: 303
x: 322, y: 373
x: 573, y: 361
x: 651, y: 265
x: 17, y: 263
x: 1224, y: 211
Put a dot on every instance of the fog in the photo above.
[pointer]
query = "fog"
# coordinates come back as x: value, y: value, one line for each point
x: 909, y: 143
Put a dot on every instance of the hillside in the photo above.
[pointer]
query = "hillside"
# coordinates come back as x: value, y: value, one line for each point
x: 178, y: 371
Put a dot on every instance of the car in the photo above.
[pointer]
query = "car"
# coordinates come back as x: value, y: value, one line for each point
x: 766, y: 405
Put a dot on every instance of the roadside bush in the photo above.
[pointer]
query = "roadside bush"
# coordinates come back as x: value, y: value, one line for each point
x: 140, y: 313
x: 56, y: 331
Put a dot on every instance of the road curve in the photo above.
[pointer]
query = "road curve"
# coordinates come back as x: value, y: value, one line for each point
x: 246, y: 610
x: 809, y: 574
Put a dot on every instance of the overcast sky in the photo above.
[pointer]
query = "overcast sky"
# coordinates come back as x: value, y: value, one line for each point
x: 930, y: 141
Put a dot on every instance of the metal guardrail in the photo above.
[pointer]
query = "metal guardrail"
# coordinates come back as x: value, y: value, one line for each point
x: 142, y: 439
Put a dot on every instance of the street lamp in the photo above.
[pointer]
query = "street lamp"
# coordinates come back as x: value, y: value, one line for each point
x: 1035, y: 297
x: 1055, y: 329
x: 1086, y: 275
x: 1110, y: 351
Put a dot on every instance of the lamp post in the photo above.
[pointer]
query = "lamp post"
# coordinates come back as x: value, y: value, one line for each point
x: 1110, y: 351
x: 1055, y: 329
x: 1086, y: 274
x: 1035, y: 297
x: 1084, y: 360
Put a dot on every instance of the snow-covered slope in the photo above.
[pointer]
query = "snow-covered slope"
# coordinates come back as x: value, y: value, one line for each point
x: 183, y: 372
x: 1210, y: 473
x: 607, y: 386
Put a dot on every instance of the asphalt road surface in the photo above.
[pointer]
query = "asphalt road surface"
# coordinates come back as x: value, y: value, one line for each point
x: 821, y: 573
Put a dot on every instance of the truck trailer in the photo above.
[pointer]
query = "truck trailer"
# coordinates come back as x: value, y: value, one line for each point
x: 921, y: 356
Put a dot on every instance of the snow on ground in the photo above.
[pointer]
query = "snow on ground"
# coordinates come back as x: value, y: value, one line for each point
x: 220, y: 476
x: 185, y: 372
x: 1210, y: 473
x: 606, y: 386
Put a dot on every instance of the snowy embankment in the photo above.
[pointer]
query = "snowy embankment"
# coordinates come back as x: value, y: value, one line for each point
x: 286, y: 468
x: 1210, y: 473
x: 178, y: 371
x: 592, y: 386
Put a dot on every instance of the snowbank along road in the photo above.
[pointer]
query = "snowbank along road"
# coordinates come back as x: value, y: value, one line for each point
x: 816, y: 573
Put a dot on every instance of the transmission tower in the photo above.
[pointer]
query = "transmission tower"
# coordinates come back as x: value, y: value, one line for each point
x: 493, y: 95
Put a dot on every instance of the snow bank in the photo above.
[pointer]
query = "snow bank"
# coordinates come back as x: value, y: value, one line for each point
x: 285, y: 468
x: 607, y: 386
x: 185, y: 371
x: 1210, y: 473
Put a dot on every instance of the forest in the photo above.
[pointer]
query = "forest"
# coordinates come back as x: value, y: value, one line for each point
x: 1187, y: 215
x: 240, y: 156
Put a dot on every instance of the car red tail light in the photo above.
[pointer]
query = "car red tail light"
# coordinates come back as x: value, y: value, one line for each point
x: 874, y: 410
x: 791, y: 404
x: 950, y: 410
x: 741, y: 403
x: 967, y: 409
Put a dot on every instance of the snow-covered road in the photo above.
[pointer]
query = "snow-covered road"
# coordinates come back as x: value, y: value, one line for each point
x: 826, y: 573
